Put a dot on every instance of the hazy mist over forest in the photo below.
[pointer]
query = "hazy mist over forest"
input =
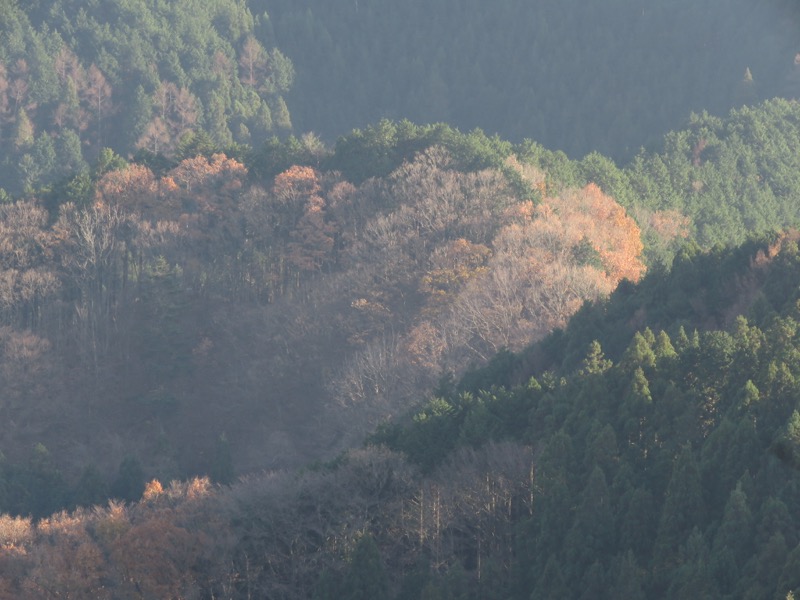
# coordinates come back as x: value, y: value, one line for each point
x: 366, y: 299
x: 609, y: 76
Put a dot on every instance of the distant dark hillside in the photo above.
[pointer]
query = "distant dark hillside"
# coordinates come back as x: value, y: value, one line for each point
x: 607, y: 76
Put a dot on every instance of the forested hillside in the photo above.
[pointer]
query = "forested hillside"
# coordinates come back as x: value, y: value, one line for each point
x: 668, y: 469
x: 729, y: 177
x: 157, y: 315
x: 607, y: 76
x: 186, y: 317
x: 240, y: 359
x: 134, y: 76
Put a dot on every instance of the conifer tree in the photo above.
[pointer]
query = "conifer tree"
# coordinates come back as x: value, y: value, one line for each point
x: 629, y: 578
x: 693, y: 577
x: 638, y: 525
x: 222, y: 466
x: 683, y: 509
x: 789, y: 582
x: 130, y: 480
x: 592, y: 532
x: 366, y: 577
x: 552, y: 585
x: 732, y: 543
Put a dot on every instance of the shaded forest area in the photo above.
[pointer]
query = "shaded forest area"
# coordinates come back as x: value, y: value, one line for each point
x: 574, y: 379
x: 608, y: 76
x: 186, y: 321
x: 189, y: 322
x: 665, y: 468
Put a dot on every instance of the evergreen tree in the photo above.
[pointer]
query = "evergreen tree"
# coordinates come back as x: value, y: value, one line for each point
x: 683, y: 510
x: 592, y: 533
x: 733, y: 541
x: 765, y: 568
x: 593, y: 584
x: 39, y: 488
x: 222, y: 465
x: 366, y: 577
x: 91, y: 489
x: 70, y: 155
x: 789, y: 582
x: 130, y: 480
x: 639, y: 354
x: 693, y: 577
x: 629, y: 579
x: 638, y: 525
x: 552, y: 585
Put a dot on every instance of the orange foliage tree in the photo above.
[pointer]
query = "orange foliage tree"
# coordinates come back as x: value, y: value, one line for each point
x: 66, y: 562
x: 204, y: 193
x: 589, y: 214
x: 303, y: 213
x: 201, y: 176
x: 133, y: 188
x: 27, y: 279
x: 452, y: 266
x: 158, y: 559
x: 546, y: 261
x: 295, y: 184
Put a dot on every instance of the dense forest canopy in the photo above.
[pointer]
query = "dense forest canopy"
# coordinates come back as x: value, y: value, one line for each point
x: 574, y: 378
x: 662, y: 465
x: 78, y: 76
x: 607, y: 76
x: 669, y: 466
x: 164, y: 292
x: 729, y: 177
x: 341, y: 282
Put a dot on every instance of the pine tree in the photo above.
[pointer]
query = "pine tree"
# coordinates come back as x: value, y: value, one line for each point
x: 594, y: 582
x: 639, y: 354
x: 733, y: 541
x: 638, y: 526
x: 787, y: 446
x: 629, y: 579
x: 693, y: 578
x: 91, y: 489
x: 24, y: 132
x: 595, y: 362
x: 130, y: 481
x: 746, y: 93
x: 552, y: 585
x: 222, y: 466
x: 663, y: 348
x: 591, y: 536
x: 683, y: 509
x: 636, y: 413
x: 789, y: 582
x: 767, y: 566
x: 366, y: 577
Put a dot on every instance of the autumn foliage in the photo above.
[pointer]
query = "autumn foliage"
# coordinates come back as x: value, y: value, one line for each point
x: 584, y: 227
x: 499, y: 272
x: 185, y: 300
x: 161, y: 548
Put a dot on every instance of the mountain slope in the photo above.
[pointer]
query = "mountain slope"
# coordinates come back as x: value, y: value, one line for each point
x: 670, y: 469
x: 76, y: 77
x: 610, y: 77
